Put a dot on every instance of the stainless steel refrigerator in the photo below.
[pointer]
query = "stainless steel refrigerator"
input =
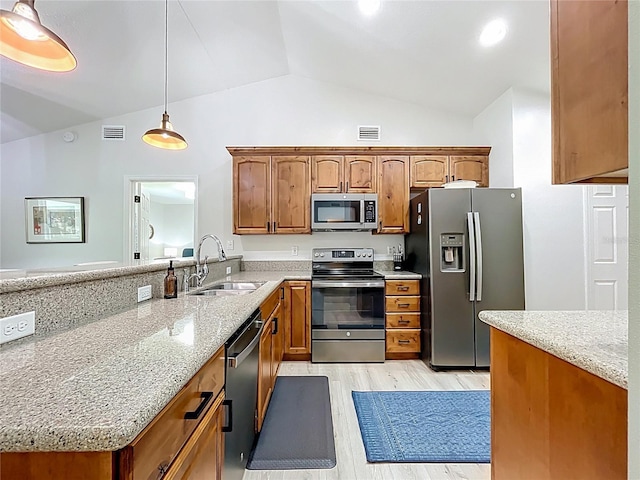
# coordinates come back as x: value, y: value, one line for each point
x: 467, y: 244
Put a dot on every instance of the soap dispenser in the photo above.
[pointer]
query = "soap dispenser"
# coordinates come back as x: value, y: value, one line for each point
x: 170, y: 283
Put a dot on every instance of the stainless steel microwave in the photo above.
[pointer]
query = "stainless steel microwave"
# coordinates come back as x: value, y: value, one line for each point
x: 344, y: 211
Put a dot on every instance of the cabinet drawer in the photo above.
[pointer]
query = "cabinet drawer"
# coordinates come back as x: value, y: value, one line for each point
x: 159, y: 443
x: 405, y: 341
x: 402, y: 304
x: 402, y: 287
x: 403, y: 320
x: 267, y: 307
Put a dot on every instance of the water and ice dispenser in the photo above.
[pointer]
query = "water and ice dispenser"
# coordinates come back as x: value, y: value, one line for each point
x: 452, y: 252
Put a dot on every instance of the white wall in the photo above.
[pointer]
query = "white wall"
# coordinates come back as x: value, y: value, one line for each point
x: 173, y: 227
x: 634, y: 239
x: 285, y: 111
x: 552, y: 215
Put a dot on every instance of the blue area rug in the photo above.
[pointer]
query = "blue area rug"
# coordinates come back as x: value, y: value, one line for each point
x: 432, y: 426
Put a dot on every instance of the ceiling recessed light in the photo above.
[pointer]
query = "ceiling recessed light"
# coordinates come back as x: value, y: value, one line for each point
x: 369, y: 7
x: 493, y: 32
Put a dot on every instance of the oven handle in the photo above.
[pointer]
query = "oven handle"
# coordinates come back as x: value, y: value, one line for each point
x: 347, y: 283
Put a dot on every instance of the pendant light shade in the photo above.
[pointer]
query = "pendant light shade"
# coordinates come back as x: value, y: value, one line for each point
x: 165, y: 137
x: 25, y: 40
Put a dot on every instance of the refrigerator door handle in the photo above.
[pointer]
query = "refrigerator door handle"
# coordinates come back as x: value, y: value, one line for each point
x: 478, y: 235
x: 472, y: 257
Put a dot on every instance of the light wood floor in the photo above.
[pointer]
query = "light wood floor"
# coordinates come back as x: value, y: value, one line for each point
x: 392, y: 375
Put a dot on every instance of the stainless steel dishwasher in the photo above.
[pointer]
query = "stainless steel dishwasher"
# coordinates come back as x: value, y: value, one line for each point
x: 241, y: 395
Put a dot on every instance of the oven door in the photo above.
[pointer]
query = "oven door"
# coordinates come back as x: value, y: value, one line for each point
x: 347, y: 304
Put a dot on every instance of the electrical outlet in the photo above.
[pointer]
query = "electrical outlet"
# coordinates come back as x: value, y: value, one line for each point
x: 389, y: 250
x: 17, y: 326
x: 144, y: 293
x: 294, y: 250
x: 228, y: 270
x: 229, y: 244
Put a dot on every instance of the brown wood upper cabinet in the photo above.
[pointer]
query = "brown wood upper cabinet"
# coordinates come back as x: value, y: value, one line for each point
x: 434, y: 170
x: 271, y: 194
x: 343, y: 174
x: 393, y: 194
x: 589, y: 91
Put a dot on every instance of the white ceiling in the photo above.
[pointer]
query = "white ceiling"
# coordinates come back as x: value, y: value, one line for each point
x: 424, y: 52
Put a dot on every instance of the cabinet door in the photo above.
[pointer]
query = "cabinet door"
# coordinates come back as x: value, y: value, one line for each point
x: 297, y: 325
x: 251, y: 195
x: 278, y: 342
x: 474, y: 167
x: 264, y: 373
x: 202, y: 456
x: 290, y: 193
x: 428, y: 170
x: 327, y: 173
x: 589, y: 89
x: 393, y: 194
x: 360, y: 173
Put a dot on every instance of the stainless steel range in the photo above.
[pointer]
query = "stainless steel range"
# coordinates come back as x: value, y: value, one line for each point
x: 347, y: 302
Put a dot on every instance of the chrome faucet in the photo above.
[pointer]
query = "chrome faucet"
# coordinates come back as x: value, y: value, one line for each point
x: 202, y: 269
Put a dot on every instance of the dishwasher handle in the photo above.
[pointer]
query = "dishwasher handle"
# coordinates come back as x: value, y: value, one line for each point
x: 236, y: 360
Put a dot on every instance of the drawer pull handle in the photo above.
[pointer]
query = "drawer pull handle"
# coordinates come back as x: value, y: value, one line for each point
x: 206, y: 398
x: 403, y: 289
x: 229, y: 416
x: 275, y: 325
x: 404, y: 342
x: 404, y: 321
x: 403, y: 305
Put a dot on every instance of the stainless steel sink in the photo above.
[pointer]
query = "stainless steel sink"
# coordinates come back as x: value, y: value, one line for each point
x: 230, y: 288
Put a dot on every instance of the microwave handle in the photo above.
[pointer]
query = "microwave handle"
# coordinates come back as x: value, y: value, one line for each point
x: 362, y: 202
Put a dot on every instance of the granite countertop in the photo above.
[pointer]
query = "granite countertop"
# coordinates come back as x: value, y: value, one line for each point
x: 399, y: 275
x: 95, y: 387
x: 595, y: 341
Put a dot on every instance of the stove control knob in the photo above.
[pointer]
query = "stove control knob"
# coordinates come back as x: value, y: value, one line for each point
x: 368, y: 254
x: 348, y: 334
x: 322, y: 254
x: 358, y: 254
x: 316, y: 255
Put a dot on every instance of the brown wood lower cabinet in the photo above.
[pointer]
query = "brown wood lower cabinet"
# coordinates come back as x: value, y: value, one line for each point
x: 552, y: 420
x: 297, y: 320
x: 171, y: 443
x: 402, y: 319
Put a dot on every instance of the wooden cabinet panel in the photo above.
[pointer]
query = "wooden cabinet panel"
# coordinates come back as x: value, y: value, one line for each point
x: 290, y: 194
x: 403, y: 320
x: 428, y: 170
x: 297, y: 324
x: 202, y: 457
x: 360, y: 173
x: 402, y: 287
x: 393, y: 194
x: 277, y: 347
x: 403, y: 341
x: 159, y: 443
x: 251, y: 194
x: 474, y: 167
x: 57, y: 466
x: 551, y: 419
x: 589, y: 90
x: 327, y: 173
x: 265, y: 383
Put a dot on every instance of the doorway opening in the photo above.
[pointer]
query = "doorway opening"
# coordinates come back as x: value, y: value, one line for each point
x: 162, y: 218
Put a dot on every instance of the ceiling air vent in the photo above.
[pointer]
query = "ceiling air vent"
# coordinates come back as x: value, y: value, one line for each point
x: 113, y: 132
x: 368, y: 132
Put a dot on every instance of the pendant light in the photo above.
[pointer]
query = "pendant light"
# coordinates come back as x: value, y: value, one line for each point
x: 165, y: 136
x: 24, y: 39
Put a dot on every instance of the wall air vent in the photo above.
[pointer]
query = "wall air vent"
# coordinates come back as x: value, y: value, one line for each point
x: 113, y: 132
x: 368, y: 132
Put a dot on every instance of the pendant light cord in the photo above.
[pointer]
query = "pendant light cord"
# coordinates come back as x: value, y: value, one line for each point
x: 166, y: 54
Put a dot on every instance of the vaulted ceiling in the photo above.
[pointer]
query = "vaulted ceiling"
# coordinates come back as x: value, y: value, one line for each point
x: 423, y: 52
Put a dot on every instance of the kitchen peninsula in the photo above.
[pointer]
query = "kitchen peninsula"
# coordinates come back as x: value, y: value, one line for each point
x: 558, y: 394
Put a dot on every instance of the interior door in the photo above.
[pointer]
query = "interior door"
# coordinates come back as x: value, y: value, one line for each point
x: 607, y: 234
x: 141, y: 227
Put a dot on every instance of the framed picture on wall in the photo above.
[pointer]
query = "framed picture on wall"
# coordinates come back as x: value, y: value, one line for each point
x: 54, y: 219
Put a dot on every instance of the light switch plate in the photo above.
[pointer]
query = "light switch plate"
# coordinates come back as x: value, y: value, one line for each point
x: 17, y: 326
x: 144, y: 293
x: 294, y: 250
